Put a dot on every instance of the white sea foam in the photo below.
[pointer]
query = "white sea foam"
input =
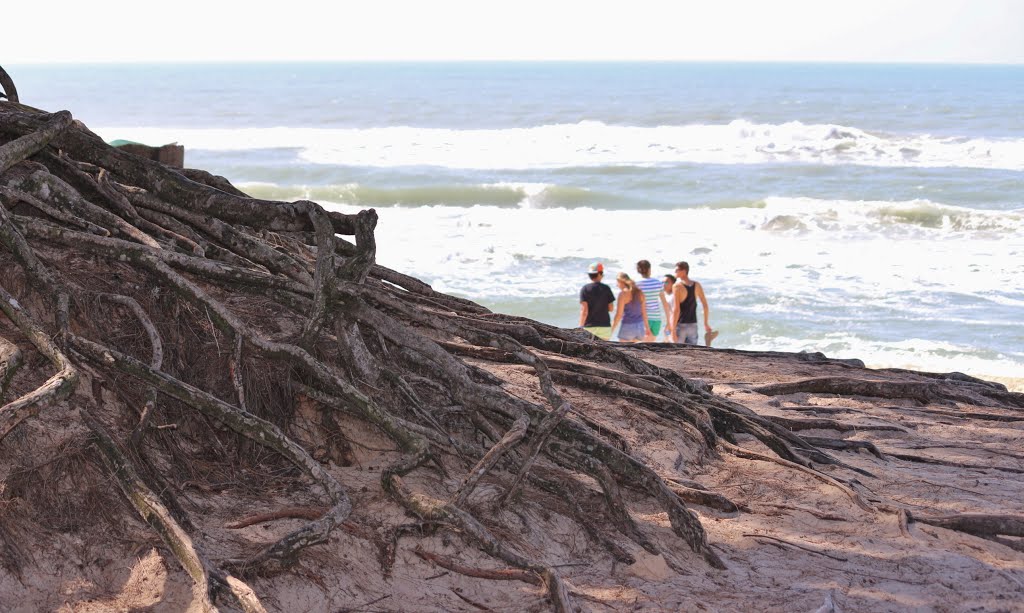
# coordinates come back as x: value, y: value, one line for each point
x: 486, y: 251
x: 911, y: 353
x: 850, y: 267
x: 592, y: 143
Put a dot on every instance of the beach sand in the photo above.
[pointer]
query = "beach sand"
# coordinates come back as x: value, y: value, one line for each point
x: 797, y: 544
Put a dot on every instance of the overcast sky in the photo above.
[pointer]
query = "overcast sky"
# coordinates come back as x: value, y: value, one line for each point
x: 772, y: 30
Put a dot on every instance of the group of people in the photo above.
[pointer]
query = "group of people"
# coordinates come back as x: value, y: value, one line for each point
x: 643, y: 305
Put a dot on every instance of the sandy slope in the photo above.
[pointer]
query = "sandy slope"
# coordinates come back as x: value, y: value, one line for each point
x: 798, y: 543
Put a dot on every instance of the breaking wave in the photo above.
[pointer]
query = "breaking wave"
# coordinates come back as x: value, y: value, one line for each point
x: 593, y: 143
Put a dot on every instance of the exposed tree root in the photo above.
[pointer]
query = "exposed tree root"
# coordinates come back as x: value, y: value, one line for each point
x: 813, y: 357
x: 796, y: 545
x: 817, y: 409
x: 155, y: 362
x: 704, y: 498
x: 991, y: 527
x: 903, y: 518
x: 910, y: 457
x: 844, y: 445
x: 10, y: 361
x: 56, y: 388
x: 921, y: 391
x: 753, y: 455
x: 435, y: 510
x: 7, y: 86
x: 149, y: 507
x: 803, y: 509
x: 308, y: 513
x: 961, y: 414
x: 829, y: 424
x: 22, y: 148
x: 502, y: 574
x: 252, y: 427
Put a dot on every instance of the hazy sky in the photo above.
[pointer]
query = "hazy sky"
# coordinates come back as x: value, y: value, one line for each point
x: 801, y: 30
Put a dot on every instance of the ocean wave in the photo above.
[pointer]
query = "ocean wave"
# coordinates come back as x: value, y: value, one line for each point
x: 783, y: 214
x: 775, y: 214
x: 504, y: 194
x: 501, y: 252
x: 594, y: 144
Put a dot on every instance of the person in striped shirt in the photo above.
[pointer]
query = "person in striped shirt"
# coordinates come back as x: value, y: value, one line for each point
x: 651, y: 287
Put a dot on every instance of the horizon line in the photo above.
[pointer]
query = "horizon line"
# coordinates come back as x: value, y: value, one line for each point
x: 511, y: 61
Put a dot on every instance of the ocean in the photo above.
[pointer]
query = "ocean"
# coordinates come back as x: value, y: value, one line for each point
x: 865, y: 211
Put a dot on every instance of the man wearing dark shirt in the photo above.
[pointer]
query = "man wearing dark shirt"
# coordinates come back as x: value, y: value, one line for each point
x: 596, y: 300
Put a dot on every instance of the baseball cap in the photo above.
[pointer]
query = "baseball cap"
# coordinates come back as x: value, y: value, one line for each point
x: 595, y: 268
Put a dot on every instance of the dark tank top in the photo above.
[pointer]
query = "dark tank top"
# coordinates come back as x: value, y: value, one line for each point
x: 688, y: 306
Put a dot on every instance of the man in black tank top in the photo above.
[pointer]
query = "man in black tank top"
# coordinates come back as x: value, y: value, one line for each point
x: 683, y: 321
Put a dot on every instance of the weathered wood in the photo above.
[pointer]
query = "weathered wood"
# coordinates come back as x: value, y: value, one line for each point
x: 56, y: 388
x: 842, y: 444
x: 7, y: 85
x: 10, y: 360
x: 499, y: 574
x: 829, y: 424
x: 921, y: 391
x: 22, y: 148
x: 46, y: 186
x: 323, y: 279
x: 975, y: 523
x: 258, y: 430
x: 172, y: 155
x: 515, y: 434
x: 153, y: 512
x: 57, y: 213
x: 432, y: 509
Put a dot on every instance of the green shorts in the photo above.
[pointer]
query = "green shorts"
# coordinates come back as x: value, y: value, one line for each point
x: 655, y: 325
x: 601, y: 332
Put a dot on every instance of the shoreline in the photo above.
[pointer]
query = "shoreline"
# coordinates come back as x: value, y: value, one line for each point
x: 521, y: 307
x: 1012, y: 384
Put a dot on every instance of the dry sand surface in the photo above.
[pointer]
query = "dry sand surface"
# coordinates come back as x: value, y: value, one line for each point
x: 798, y: 544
